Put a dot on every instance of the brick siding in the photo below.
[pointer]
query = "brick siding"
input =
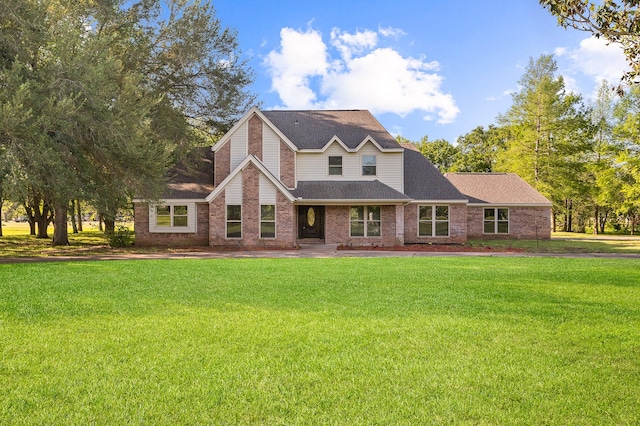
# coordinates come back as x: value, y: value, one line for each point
x: 337, y: 228
x: 457, y: 226
x: 255, y: 137
x: 523, y: 222
x: 145, y: 238
x: 222, y: 164
x: 287, y: 166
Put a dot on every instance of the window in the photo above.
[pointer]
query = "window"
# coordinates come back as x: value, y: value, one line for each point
x: 335, y: 166
x: 369, y: 165
x: 234, y: 221
x: 433, y: 221
x: 365, y: 221
x: 496, y: 221
x: 268, y: 221
x: 170, y: 216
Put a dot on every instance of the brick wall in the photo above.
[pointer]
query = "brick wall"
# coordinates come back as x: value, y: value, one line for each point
x: 222, y: 164
x: 337, y: 228
x: 287, y: 166
x: 457, y: 226
x: 255, y: 137
x: 523, y: 222
x: 145, y: 238
x: 285, y: 219
x: 217, y: 222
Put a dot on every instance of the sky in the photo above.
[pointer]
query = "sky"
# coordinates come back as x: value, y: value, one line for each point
x: 435, y: 68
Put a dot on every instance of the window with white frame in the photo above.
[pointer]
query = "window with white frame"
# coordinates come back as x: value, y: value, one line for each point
x: 496, y: 220
x: 172, y: 216
x: 267, y: 221
x: 369, y: 165
x: 335, y: 165
x: 433, y: 221
x: 365, y: 221
x: 234, y: 221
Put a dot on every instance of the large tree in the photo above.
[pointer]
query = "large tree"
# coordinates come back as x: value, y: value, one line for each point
x: 99, y: 98
x: 615, y: 21
x: 548, y: 129
x: 479, y: 149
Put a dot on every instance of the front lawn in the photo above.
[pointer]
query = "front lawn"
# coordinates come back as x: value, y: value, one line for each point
x: 321, y: 341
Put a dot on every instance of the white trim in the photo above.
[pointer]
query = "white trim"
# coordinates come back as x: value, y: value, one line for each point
x: 329, y: 175
x: 250, y: 159
x: 434, y: 221
x: 495, y: 221
x: 192, y: 218
x: 275, y: 221
x: 365, y: 221
x: 335, y: 138
x: 254, y: 110
x: 507, y: 205
x: 441, y: 202
x: 375, y: 157
x: 226, y: 222
x: 350, y: 202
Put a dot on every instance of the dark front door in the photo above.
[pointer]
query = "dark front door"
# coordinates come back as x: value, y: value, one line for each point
x: 311, y: 222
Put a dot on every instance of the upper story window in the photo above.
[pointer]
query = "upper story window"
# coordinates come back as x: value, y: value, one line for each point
x: 496, y: 221
x: 369, y: 165
x: 335, y: 165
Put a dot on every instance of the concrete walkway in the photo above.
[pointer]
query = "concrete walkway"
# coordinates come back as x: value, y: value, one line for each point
x: 306, y: 251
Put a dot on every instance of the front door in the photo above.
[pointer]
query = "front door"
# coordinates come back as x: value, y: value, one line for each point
x: 311, y: 222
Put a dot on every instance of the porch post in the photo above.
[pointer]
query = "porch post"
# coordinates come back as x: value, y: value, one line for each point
x: 399, y: 224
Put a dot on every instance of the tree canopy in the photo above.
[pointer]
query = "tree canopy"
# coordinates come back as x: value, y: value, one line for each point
x: 98, y: 99
x: 617, y: 22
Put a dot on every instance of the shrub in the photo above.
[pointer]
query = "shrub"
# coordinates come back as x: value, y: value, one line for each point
x: 121, y: 237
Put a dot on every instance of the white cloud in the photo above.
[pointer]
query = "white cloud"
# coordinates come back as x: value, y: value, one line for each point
x: 302, y: 55
x: 395, y: 33
x: 599, y: 60
x: 361, y: 75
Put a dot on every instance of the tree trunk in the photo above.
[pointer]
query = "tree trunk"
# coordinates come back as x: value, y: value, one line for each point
x: 60, y: 231
x: 72, y: 215
x: 30, y: 218
x: 596, y: 221
x: 109, y: 224
x: 42, y: 218
x: 79, y: 216
x: 1, y: 203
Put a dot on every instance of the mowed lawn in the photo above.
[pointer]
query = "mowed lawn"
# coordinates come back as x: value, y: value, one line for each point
x: 321, y: 341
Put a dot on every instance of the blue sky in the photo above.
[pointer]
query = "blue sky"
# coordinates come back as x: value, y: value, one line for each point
x: 436, y: 67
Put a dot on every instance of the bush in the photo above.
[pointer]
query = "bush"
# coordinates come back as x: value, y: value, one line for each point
x: 121, y: 237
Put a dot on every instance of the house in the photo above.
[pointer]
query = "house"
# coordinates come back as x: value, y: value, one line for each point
x: 281, y: 178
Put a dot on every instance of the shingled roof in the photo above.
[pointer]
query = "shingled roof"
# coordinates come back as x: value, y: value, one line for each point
x: 496, y: 188
x: 314, y: 129
x: 346, y: 190
x: 423, y: 181
x: 192, y: 178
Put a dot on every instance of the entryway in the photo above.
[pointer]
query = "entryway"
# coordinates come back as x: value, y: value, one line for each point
x: 311, y: 222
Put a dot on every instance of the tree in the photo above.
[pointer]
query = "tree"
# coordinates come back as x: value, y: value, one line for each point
x: 99, y: 98
x: 548, y: 129
x: 479, y: 149
x: 627, y: 129
x: 440, y: 152
x: 616, y: 22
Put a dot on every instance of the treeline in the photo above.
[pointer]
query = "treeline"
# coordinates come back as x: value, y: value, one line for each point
x: 98, y: 99
x: 583, y: 156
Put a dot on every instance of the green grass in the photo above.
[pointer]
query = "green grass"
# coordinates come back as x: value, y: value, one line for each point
x: 569, y: 242
x: 321, y: 341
